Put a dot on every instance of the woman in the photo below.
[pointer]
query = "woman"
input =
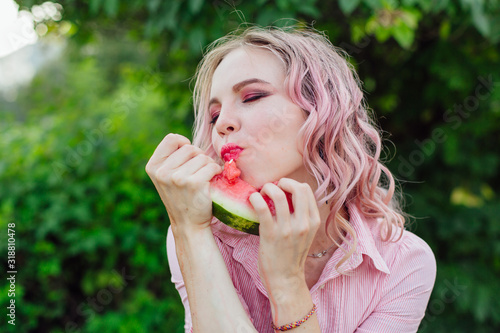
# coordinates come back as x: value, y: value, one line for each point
x: 342, y: 261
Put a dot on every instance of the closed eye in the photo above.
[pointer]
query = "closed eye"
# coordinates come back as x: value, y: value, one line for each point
x: 252, y: 98
x: 248, y: 99
x: 214, y: 119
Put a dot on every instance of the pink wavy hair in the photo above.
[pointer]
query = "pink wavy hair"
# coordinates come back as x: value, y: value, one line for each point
x: 342, y: 142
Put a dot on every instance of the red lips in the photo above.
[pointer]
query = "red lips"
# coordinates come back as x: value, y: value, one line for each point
x: 230, y: 151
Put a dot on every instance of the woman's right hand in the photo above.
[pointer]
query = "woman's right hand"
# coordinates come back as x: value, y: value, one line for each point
x: 181, y: 174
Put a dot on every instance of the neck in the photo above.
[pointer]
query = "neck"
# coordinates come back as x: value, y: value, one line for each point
x: 321, y: 240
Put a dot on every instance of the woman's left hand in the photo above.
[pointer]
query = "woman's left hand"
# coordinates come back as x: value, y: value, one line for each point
x: 285, y: 239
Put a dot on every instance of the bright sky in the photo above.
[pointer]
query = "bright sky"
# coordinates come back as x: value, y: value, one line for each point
x: 16, y: 28
x: 20, y: 54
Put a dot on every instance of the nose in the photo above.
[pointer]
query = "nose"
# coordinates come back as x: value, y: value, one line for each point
x: 227, y: 122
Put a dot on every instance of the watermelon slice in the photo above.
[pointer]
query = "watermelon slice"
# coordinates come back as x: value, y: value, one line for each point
x: 230, y: 198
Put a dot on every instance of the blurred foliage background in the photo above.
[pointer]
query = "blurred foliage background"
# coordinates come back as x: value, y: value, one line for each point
x: 90, y: 227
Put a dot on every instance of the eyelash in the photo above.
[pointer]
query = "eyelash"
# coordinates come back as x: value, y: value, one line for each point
x: 254, y: 97
x: 248, y: 100
x: 214, y: 119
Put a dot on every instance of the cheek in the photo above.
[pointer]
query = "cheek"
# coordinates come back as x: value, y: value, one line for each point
x: 299, y: 144
x: 275, y: 123
x: 214, y: 139
x: 216, y: 142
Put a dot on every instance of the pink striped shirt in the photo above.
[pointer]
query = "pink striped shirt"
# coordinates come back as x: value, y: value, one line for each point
x: 386, y: 287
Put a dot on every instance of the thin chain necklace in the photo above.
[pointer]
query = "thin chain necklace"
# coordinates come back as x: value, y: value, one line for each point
x: 320, y: 254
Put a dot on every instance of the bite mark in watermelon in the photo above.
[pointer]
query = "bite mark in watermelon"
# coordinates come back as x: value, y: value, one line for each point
x: 230, y: 198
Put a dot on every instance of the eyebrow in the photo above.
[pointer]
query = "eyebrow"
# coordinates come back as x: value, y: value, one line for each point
x: 238, y: 86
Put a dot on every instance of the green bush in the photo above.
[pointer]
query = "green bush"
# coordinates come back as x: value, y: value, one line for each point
x: 90, y: 227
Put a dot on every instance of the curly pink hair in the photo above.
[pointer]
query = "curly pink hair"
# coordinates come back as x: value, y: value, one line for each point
x: 342, y: 142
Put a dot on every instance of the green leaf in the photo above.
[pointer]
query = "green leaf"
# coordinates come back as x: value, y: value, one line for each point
x: 389, y: 4
x: 444, y: 29
x: 382, y: 34
x: 111, y: 7
x: 268, y: 16
x: 404, y: 35
x: 170, y: 15
x: 410, y: 18
x: 197, y: 39
x: 153, y: 5
x: 451, y: 149
x: 437, y: 6
x: 357, y: 32
x: 409, y: 2
x: 94, y: 6
x: 348, y: 6
x: 372, y: 25
x: 373, y: 4
x: 308, y: 9
x: 51, y: 267
x: 481, y: 21
x: 283, y: 4
x: 483, y: 303
x: 195, y: 6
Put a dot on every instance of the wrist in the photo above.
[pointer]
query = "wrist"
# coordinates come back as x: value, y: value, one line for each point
x: 295, y: 324
x: 190, y: 239
x: 184, y: 228
x: 290, y: 306
x: 290, y: 291
x: 285, y: 288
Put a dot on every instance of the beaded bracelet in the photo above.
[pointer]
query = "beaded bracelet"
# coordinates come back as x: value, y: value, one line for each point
x: 295, y: 324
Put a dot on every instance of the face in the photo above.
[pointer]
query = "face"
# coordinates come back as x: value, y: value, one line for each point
x: 251, y: 108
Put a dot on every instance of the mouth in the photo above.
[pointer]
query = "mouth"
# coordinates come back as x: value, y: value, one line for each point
x: 230, y: 151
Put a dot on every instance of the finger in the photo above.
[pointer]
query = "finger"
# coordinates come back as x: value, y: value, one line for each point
x: 203, y: 176
x: 263, y: 213
x: 200, y: 169
x: 194, y: 164
x: 296, y: 189
x: 205, y: 172
x: 167, y: 146
x: 314, y: 215
x: 304, y: 202
x: 278, y: 197
x: 181, y: 156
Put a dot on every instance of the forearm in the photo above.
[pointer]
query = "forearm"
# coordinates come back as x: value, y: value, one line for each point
x: 290, y: 302
x: 214, y: 304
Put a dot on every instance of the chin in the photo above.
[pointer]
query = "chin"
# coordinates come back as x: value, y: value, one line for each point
x: 254, y: 174
x: 256, y: 181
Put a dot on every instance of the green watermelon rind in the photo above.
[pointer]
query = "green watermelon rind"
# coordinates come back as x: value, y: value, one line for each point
x: 235, y: 221
x: 231, y: 206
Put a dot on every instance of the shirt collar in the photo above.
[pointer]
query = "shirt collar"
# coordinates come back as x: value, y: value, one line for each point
x: 367, y: 232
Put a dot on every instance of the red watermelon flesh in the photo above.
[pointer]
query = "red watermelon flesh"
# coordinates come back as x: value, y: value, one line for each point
x: 230, y: 197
